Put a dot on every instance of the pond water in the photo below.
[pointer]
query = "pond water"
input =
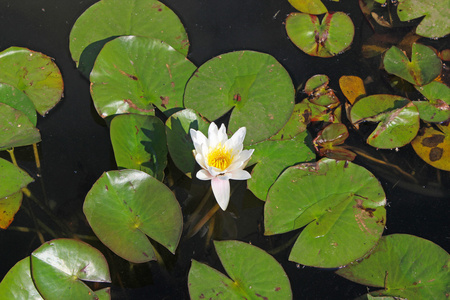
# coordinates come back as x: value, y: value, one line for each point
x: 76, y: 148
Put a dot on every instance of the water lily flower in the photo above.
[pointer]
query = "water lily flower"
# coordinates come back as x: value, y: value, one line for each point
x: 221, y: 159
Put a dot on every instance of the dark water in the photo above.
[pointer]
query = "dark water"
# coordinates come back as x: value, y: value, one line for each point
x: 76, y: 149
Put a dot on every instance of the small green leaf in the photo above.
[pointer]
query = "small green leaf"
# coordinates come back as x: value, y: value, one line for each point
x: 18, y: 284
x: 15, y: 98
x: 327, y: 141
x: 296, y: 124
x: 319, y: 93
x: 437, y: 108
x: 124, y: 206
x: 12, y: 179
x: 8, y: 208
x: 314, y: 7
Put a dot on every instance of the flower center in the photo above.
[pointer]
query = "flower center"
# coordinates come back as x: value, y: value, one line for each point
x: 219, y: 158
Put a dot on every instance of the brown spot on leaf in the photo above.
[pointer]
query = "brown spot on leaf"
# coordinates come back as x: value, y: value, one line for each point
x: 436, y: 153
x: 137, y: 129
x: 260, y: 296
x: 134, y: 106
x: 277, y: 289
x: 237, y: 97
x: 145, y: 254
x: 131, y: 76
x: 433, y: 140
x: 164, y: 101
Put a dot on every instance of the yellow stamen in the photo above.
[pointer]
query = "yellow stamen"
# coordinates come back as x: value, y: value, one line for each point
x: 219, y: 158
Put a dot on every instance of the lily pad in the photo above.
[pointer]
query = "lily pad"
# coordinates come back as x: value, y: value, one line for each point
x: 313, y: 7
x: 8, y: 208
x: 435, y: 22
x: 296, y: 124
x: 13, y: 179
x: 108, y: 19
x: 139, y: 143
x: 254, y: 85
x: 272, y: 157
x: 340, y: 203
x: 58, y: 268
x: 398, y: 119
x: 437, y: 108
x: 405, y: 266
x: 326, y: 38
x: 179, y: 139
x: 254, y: 275
x: 16, y: 99
x: 18, y: 284
x: 33, y: 73
x: 124, y: 206
x: 433, y: 146
x: 16, y: 128
x: 133, y: 74
x: 352, y: 87
x: 327, y: 141
x: 319, y: 93
x: 424, y: 66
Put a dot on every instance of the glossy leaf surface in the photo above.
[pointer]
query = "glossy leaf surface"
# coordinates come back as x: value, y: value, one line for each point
x: 437, y: 108
x: 16, y: 99
x: 132, y: 74
x: 124, y: 206
x: 254, y: 275
x: 314, y: 7
x: 340, y: 203
x: 253, y: 84
x: 13, y: 179
x: 18, y: 284
x: 8, y: 209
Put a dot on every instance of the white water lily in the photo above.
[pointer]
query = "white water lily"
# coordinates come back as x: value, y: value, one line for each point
x: 221, y: 159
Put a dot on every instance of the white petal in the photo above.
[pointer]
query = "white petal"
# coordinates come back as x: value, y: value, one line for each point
x: 241, y: 160
x: 222, y: 135
x: 204, y: 175
x: 213, y: 132
x: 240, y: 175
x: 201, y: 160
x: 235, y: 142
x: 221, y: 190
x: 198, y: 139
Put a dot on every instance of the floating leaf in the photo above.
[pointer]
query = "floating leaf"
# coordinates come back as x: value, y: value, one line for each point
x: 133, y: 74
x: 179, y: 139
x: 433, y: 147
x: 254, y: 275
x: 16, y: 128
x: 405, y: 266
x: 352, y: 87
x: 327, y: 141
x: 340, y: 203
x: 59, y: 266
x: 12, y: 179
x: 8, y: 208
x: 437, y: 108
x: 108, y: 19
x: 139, y: 142
x: 254, y: 85
x: 319, y: 93
x: 272, y: 157
x: 435, y: 22
x: 424, y: 66
x: 398, y: 117
x: 296, y: 124
x: 328, y: 38
x: 124, y: 206
x: 18, y: 284
x: 16, y: 99
x: 33, y: 73
x: 314, y: 7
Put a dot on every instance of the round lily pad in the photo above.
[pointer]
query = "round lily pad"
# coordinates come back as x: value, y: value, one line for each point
x: 257, y: 89
x: 433, y: 146
x: 108, y: 19
x: 405, y: 266
x: 13, y: 179
x: 16, y: 99
x: 8, y: 209
x: 33, y: 73
x: 18, y: 284
x: 139, y: 142
x: 133, y: 74
x: 58, y: 268
x: 179, y: 139
x: 437, y: 108
x: 326, y: 38
x: 254, y: 275
x: 124, y: 206
x: 340, y: 203
x: 398, y: 119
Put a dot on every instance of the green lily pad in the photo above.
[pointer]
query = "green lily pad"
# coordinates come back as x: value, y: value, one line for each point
x: 8, y: 208
x: 33, y: 73
x: 424, y: 66
x: 133, y: 74
x: 327, y: 141
x: 13, y: 179
x: 322, y: 113
x: 398, y: 120
x: 313, y: 7
x: 108, y: 19
x: 16, y: 128
x: 179, y: 139
x: 296, y: 124
x: 319, y: 93
x: 139, y: 142
x: 272, y: 157
x: 254, y: 275
x: 326, y: 38
x: 435, y: 22
x: 433, y: 146
x: 18, y: 284
x: 58, y: 268
x: 405, y: 266
x: 340, y: 203
x: 16, y: 99
x: 254, y: 85
x: 124, y: 206
x: 437, y: 108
